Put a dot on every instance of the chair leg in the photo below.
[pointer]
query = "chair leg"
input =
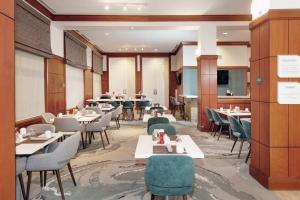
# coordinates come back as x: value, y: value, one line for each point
x: 184, y: 197
x: 152, y: 197
x: 60, y: 185
x: 248, y: 156
x: 22, y: 185
x: 28, y: 184
x: 82, y: 140
x: 235, y: 140
x: 106, y: 136
x: 241, y: 147
x: 217, y: 129
x: 45, y: 178
x: 220, y: 132
x: 102, y: 140
x: 71, y: 173
x: 41, y: 179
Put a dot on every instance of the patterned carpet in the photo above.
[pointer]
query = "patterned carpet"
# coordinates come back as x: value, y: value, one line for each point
x: 113, y: 174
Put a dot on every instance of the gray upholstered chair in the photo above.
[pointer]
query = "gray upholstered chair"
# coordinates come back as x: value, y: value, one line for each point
x: 79, y: 107
x: 101, y: 126
x: 169, y: 129
x: 20, y: 167
x: 115, y: 115
x: 69, y: 126
x: 47, y: 118
x: 54, y: 161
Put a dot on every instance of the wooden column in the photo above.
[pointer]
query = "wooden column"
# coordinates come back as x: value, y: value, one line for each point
x: 207, y: 87
x: 105, y: 78
x: 172, y: 81
x: 7, y: 101
x: 275, y: 159
x: 88, y: 84
x: 138, y: 75
x: 55, y: 85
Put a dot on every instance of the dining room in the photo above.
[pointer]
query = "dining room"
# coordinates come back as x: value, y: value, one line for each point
x: 149, y: 99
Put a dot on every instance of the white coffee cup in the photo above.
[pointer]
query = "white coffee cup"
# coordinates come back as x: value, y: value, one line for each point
x: 247, y: 109
x: 48, y: 134
x: 221, y: 109
x: 179, y: 147
x: 59, y: 115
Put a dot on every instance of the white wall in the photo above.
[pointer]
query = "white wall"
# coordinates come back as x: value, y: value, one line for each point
x: 122, y: 75
x: 179, y: 59
x: 57, y: 39
x: 89, y: 57
x: 96, y: 85
x: 233, y: 56
x: 29, y: 85
x: 74, y: 87
x: 189, y: 55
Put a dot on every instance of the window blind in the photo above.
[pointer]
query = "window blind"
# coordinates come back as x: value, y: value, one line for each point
x: 97, y: 62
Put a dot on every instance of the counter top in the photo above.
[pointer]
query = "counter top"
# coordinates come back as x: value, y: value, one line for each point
x: 188, y: 96
x: 233, y: 97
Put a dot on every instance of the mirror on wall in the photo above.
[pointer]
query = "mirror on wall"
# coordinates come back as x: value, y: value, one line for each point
x: 233, y: 81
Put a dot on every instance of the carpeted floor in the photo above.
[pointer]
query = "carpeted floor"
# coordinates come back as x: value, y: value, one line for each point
x: 113, y: 174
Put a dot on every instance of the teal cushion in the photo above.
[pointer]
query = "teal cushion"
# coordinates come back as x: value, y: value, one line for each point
x: 168, y: 128
x: 170, y: 175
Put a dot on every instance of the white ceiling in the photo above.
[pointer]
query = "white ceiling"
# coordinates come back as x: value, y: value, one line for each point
x: 149, y: 7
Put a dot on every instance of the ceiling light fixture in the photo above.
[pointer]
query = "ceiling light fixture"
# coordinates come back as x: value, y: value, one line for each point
x: 139, y: 9
x: 155, y: 49
x: 225, y: 33
x: 142, y: 49
x: 125, y: 8
x: 107, y: 34
x: 134, y: 49
x: 131, y: 27
x: 106, y: 7
x: 126, y: 48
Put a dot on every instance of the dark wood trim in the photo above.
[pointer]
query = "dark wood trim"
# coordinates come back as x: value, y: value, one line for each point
x: 41, y: 8
x: 152, y: 18
x: 276, y: 14
x: 58, y: 57
x: 234, y: 67
x: 207, y: 57
x: 46, y: 83
x: 234, y: 43
x: 190, y: 67
x: 28, y: 121
x: 233, y: 101
x: 134, y: 54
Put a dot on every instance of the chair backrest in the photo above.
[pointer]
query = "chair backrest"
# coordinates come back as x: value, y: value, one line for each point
x: 172, y: 100
x: 47, y: 118
x: 67, y: 149
x: 216, y: 116
x: 119, y: 109
x: 143, y: 104
x: 157, y: 109
x: 113, y: 103
x: 208, y: 114
x: 157, y: 120
x: 236, y: 126
x: 127, y: 104
x: 168, y: 128
x: 247, y: 128
x: 41, y: 128
x: 107, y: 118
x: 66, y: 124
x: 96, y: 109
x: 170, y: 175
x: 20, y: 165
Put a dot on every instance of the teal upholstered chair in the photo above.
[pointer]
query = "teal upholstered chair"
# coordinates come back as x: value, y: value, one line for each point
x: 157, y: 120
x: 247, y: 128
x: 128, y: 106
x: 210, y: 119
x: 219, y: 122
x: 170, y: 175
x: 158, y: 109
x: 168, y: 128
x: 113, y: 103
x: 142, y: 106
x: 238, y: 132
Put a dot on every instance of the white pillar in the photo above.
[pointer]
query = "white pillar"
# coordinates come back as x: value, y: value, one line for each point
x: 207, y: 40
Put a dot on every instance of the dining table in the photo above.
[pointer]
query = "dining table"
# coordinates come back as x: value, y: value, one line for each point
x: 28, y: 146
x: 171, y: 118
x: 234, y: 113
x: 149, y: 107
x: 147, y: 147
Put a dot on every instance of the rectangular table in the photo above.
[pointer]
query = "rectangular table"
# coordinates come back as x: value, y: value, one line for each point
x: 144, y: 148
x: 86, y: 118
x: 171, y: 118
x: 31, y: 148
x: 241, y: 113
x: 117, y: 100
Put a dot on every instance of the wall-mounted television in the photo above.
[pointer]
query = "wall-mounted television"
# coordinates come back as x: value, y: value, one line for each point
x: 179, y: 78
x: 223, y: 77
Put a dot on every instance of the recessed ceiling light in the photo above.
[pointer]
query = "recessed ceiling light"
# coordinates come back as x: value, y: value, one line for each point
x: 124, y: 8
x: 155, y: 49
x: 225, y: 33
x: 134, y: 49
x: 107, y: 34
x: 106, y: 7
x: 142, y: 49
x: 126, y: 48
x: 131, y: 27
x: 139, y: 9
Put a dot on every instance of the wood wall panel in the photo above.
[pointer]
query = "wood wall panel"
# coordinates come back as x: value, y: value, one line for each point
x: 7, y: 8
x: 276, y: 128
x: 105, y: 78
x: 294, y: 39
x: 207, y: 87
x: 138, y: 76
x: 55, y: 85
x: 7, y: 102
x: 88, y: 84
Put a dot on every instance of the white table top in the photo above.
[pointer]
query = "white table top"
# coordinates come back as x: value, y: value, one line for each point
x: 29, y: 149
x: 144, y: 148
x: 241, y: 113
x: 188, y: 96
x: 169, y: 116
x: 119, y: 100
x: 86, y: 118
x: 148, y: 108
